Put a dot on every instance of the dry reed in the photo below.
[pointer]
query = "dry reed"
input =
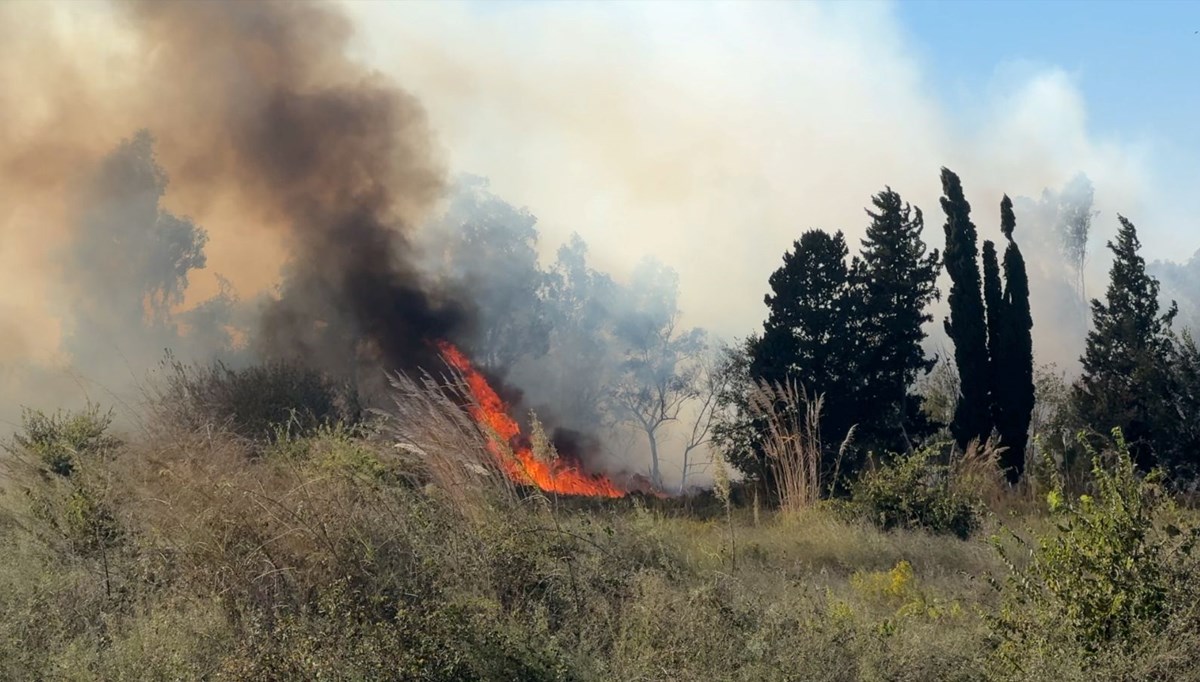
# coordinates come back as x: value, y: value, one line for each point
x: 791, y: 440
x: 429, y: 421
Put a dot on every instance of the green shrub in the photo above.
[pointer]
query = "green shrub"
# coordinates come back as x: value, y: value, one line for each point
x: 88, y: 523
x: 59, y: 440
x: 913, y: 492
x: 1108, y: 574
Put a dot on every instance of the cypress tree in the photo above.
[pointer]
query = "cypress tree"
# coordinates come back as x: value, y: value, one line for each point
x: 1127, y: 350
x: 1013, y: 391
x: 965, y: 325
x: 898, y: 280
x: 993, y: 299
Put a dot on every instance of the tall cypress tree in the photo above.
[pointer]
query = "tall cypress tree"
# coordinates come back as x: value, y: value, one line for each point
x: 1013, y: 390
x: 898, y: 278
x: 993, y: 299
x: 1127, y: 350
x: 965, y: 325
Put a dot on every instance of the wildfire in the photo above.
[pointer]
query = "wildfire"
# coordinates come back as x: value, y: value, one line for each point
x: 522, y: 466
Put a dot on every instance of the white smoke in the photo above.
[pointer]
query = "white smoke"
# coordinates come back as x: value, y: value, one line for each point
x: 710, y: 135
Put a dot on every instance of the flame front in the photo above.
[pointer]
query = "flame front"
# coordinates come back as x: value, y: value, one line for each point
x: 523, y: 467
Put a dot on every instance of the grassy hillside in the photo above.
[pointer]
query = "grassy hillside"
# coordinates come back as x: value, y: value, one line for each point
x: 187, y: 550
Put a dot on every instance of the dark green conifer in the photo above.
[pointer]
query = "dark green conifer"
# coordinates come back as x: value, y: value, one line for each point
x: 810, y: 335
x: 1128, y: 350
x: 1013, y: 390
x: 966, y: 325
x: 993, y: 299
x: 898, y: 278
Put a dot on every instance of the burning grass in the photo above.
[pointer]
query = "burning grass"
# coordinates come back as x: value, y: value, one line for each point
x: 401, y: 550
x: 514, y: 450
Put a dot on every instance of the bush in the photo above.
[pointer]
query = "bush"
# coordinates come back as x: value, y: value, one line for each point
x: 59, y: 440
x: 1107, y: 577
x: 258, y: 403
x: 913, y: 492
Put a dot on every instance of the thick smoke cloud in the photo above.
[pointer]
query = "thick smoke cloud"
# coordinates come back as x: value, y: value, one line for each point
x: 707, y: 136
x: 280, y: 150
x: 710, y: 135
x: 1057, y: 230
x: 340, y: 156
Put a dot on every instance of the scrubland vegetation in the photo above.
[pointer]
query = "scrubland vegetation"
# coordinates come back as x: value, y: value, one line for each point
x: 328, y: 545
x: 875, y: 513
x: 883, y: 481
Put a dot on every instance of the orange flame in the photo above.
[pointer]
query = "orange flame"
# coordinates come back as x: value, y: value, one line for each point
x: 523, y: 467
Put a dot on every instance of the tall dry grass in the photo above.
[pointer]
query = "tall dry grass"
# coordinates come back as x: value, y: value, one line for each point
x: 428, y: 423
x: 976, y: 472
x: 791, y: 440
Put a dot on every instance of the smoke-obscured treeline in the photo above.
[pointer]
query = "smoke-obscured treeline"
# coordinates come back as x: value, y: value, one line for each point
x: 593, y: 356
x: 612, y: 364
x: 372, y: 255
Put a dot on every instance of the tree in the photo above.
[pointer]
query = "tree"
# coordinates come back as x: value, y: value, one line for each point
x: 993, y: 299
x: 580, y: 304
x: 128, y: 270
x: 1127, y: 353
x: 658, y: 375
x: 715, y: 371
x: 1013, y: 388
x: 1180, y: 449
x: 965, y: 325
x: 1074, y: 226
x: 898, y: 280
x: 734, y: 431
x: 489, y: 248
x: 811, y: 332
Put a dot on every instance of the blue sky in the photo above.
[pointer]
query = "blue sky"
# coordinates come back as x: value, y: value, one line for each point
x: 1136, y: 63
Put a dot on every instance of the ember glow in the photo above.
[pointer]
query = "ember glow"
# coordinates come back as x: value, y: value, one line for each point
x: 522, y: 466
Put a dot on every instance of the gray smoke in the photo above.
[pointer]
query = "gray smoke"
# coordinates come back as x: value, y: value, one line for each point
x: 1056, y: 237
x: 291, y: 149
x: 570, y: 338
x: 1181, y: 283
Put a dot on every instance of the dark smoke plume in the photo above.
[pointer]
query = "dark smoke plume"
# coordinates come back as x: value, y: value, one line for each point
x: 338, y: 156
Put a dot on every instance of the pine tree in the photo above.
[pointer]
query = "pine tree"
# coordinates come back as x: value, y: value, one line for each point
x: 1179, y: 443
x: 1127, y: 350
x: 1013, y: 390
x: 898, y: 279
x: 966, y: 326
x: 810, y: 333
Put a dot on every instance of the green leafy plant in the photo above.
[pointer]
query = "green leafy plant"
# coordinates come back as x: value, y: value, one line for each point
x: 58, y: 440
x: 914, y: 492
x: 1107, y: 573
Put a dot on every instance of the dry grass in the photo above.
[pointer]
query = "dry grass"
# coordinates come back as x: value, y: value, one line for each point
x: 791, y: 441
x: 976, y: 472
x: 429, y: 423
x: 399, y: 553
